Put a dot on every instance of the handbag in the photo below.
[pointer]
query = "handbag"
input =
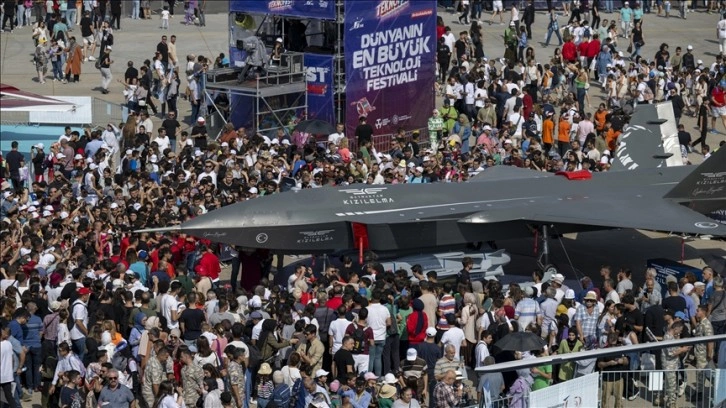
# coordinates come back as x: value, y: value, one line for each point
x: 630, y: 48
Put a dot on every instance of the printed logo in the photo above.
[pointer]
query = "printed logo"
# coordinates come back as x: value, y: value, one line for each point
x: 214, y: 235
x: 706, y: 225
x: 390, y: 7
x: 315, y: 237
x: 261, y: 238
x: 277, y: 5
x: 358, y: 23
x: 364, y: 196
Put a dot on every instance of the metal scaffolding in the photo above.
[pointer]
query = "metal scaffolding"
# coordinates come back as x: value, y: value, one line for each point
x: 278, y: 96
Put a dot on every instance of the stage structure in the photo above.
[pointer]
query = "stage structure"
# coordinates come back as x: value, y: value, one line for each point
x: 373, y: 58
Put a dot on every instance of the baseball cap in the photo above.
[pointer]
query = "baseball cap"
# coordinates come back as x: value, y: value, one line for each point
x: 321, y: 373
x: 690, y: 47
x: 681, y: 315
x: 431, y: 332
x: 201, y: 119
x: 255, y: 315
x: 370, y: 376
x: 411, y: 354
x: 84, y: 291
x: 39, y: 146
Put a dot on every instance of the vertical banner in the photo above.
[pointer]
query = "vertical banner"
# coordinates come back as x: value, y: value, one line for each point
x: 319, y: 77
x: 389, y: 63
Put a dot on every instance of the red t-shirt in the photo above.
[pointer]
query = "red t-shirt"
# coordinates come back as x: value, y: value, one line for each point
x: 719, y: 97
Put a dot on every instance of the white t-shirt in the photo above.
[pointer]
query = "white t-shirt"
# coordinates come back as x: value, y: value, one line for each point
x: 79, y: 311
x: 7, y: 374
x: 377, y: 316
x: 517, y: 121
x: 454, y: 336
x: 337, y: 331
x: 256, y: 330
x: 165, y: 14
x: 336, y: 137
x: 482, y: 352
x: 169, y: 304
x: 480, y: 93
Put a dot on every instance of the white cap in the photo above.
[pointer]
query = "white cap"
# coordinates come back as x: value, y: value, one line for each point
x: 431, y: 332
x: 508, y: 141
x: 321, y: 373
x: 411, y: 354
x: 89, y: 160
x: 419, y: 169
x: 78, y: 156
x: 690, y: 47
x: 233, y: 152
x: 114, y: 206
x: 278, y: 39
x: 39, y: 146
x: 32, y: 208
x: 699, y: 62
x: 570, y: 294
x: 201, y: 119
x: 604, y: 159
x: 275, y: 142
x: 47, y: 213
x: 64, y: 215
x: 93, y: 166
x: 198, y: 153
x: 7, y: 194
x: 487, y: 127
x: 687, y: 289
x: 137, y: 206
x: 253, y: 190
x: 48, y: 208
x: 390, y: 378
x: 129, y: 152
x: 60, y: 156
x: 285, y: 142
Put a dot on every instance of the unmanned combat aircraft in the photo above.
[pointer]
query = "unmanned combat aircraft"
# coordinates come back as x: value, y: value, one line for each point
x: 501, y: 202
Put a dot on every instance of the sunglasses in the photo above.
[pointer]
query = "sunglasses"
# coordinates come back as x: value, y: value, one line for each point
x: 113, y: 378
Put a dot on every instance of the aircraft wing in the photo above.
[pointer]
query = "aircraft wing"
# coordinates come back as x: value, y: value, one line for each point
x: 637, y: 212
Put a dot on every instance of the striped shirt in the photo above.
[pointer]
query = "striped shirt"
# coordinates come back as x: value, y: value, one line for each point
x: 447, y: 305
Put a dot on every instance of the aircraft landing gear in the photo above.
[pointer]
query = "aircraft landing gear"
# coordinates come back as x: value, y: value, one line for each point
x: 543, y: 259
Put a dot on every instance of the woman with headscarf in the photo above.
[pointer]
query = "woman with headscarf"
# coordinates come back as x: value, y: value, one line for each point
x: 270, y: 340
x: 137, y: 332
x: 467, y: 320
x: 74, y: 59
x: 416, y: 323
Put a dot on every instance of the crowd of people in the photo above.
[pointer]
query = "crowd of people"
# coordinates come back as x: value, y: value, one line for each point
x: 96, y: 314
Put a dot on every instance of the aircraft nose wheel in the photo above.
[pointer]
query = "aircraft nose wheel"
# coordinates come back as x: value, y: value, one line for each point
x: 543, y: 260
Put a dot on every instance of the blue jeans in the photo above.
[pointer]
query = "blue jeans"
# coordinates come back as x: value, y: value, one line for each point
x: 549, y: 35
x: 135, y: 9
x: 57, y: 69
x: 581, y: 100
x: 33, y: 361
x: 636, y: 51
x: 609, y: 6
x: 79, y: 347
x: 375, y: 352
x: 71, y: 17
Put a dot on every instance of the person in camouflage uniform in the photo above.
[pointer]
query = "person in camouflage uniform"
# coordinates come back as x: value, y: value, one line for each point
x: 192, y: 377
x: 671, y: 362
x: 703, y: 351
x: 154, y: 374
x: 236, y: 374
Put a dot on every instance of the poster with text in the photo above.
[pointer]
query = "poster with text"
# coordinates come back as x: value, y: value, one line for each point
x: 319, y: 78
x: 389, y: 63
x: 320, y: 9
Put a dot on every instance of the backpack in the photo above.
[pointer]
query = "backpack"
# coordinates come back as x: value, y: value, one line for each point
x: 648, y: 93
x: 295, y: 391
x: 588, y: 33
x: 359, y: 339
x: 71, y: 321
x: 255, y: 357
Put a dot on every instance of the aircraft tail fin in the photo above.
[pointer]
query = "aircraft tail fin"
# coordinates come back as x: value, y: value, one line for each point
x: 706, y: 183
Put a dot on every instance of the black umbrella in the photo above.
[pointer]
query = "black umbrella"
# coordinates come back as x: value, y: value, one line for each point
x: 520, y: 341
x: 315, y: 127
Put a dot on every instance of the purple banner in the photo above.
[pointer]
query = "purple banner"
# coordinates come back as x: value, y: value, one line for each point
x: 319, y: 9
x: 319, y: 76
x: 389, y: 63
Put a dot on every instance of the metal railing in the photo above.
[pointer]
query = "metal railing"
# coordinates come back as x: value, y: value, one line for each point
x: 103, y: 112
x: 647, y: 388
